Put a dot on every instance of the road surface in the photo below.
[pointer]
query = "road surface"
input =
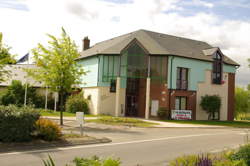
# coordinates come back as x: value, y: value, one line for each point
x: 136, y: 146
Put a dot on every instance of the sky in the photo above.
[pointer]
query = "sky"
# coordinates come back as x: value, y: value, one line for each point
x: 222, y: 23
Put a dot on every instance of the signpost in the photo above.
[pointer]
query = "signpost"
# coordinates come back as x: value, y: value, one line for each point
x: 80, y: 120
x: 181, y: 114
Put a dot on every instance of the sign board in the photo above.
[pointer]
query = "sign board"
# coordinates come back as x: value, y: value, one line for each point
x: 79, y: 117
x: 181, y: 114
x: 154, y: 107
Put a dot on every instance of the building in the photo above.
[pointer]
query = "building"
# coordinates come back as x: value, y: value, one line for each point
x: 139, y: 72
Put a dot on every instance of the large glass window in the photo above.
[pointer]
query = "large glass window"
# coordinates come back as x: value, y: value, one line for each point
x: 180, y: 103
x: 182, y: 78
x: 110, y: 67
x: 158, y: 71
x: 217, y: 68
x: 134, y: 62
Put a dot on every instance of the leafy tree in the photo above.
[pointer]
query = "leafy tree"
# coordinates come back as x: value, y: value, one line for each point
x: 248, y: 87
x: 242, y: 101
x: 211, y: 104
x: 57, y: 67
x: 5, y: 58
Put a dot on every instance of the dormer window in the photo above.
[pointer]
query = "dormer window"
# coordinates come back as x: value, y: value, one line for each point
x: 217, y: 68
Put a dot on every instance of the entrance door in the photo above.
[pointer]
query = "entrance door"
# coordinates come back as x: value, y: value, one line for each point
x: 132, y: 95
x: 135, y: 97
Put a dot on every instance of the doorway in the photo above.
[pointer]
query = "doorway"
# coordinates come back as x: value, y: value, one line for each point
x: 135, y: 97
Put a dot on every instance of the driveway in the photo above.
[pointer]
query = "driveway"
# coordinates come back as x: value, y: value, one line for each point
x: 144, y: 146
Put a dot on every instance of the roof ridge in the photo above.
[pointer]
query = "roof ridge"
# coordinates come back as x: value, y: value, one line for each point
x: 179, y: 37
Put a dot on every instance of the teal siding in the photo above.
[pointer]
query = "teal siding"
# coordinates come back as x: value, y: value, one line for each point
x: 229, y: 68
x: 105, y: 67
x: 90, y: 65
x: 196, y: 72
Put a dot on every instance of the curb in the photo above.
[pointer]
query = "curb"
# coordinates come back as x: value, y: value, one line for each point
x: 27, y: 146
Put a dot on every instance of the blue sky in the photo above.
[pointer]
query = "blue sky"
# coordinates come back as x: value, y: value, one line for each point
x: 223, y: 23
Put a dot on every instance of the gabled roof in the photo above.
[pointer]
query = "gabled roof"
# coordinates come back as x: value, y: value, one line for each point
x: 157, y: 44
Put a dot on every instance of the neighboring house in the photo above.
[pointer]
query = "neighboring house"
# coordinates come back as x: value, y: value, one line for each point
x: 17, y: 72
x: 137, y: 73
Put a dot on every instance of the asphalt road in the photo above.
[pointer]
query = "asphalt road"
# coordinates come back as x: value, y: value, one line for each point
x: 136, y: 146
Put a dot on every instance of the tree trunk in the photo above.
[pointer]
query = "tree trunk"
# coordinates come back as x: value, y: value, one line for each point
x: 61, y: 107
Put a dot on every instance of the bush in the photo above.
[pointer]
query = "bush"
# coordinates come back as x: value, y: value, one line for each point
x: 162, y: 113
x: 47, y: 130
x: 242, y: 154
x: 207, y: 160
x: 17, y: 124
x: 96, y: 161
x: 77, y: 103
x: 211, y: 104
x: 15, y: 95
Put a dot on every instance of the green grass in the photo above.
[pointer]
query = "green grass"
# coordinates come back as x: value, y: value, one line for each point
x: 122, y: 121
x: 238, y: 124
x: 57, y: 113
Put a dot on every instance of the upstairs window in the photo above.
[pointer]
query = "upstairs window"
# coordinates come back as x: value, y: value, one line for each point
x: 217, y: 68
x: 182, y: 78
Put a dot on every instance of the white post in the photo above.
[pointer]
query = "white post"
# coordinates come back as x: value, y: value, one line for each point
x: 25, y: 93
x: 117, y: 97
x: 147, y: 99
x: 46, y: 97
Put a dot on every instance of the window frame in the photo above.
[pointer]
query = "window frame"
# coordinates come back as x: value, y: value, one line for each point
x: 217, y: 67
x: 182, y: 84
x: 180, y: 104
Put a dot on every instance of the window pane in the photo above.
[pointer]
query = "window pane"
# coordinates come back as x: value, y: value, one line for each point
x: 178, y: 73
x: 177, y: 103
x: 184, y: 74
x: 183, y: 103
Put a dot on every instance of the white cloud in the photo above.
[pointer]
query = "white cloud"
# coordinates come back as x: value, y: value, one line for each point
x: 101, y: 20
x: 202, y: 3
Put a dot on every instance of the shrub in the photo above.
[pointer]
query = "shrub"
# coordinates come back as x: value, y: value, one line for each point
x: 15, y: 95
x: 96, y: 161
x: 47, y: 130
x: 162, y: 113
x: 211, y: 104
x: 77, y: 103
x: 17, y: 124
x: 242, y: 154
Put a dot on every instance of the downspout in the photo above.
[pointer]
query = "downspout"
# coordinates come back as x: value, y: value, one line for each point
x: 170, y: 87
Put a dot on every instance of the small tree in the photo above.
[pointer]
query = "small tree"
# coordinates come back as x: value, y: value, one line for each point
x: 211, y: 104
x: 57, y: 67
x: 5, y: 58
x: 242, y: 101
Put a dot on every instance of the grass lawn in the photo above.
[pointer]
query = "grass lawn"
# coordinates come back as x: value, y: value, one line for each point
x: 122, y: 121
x: 239, y: 124
x: 57, y: 113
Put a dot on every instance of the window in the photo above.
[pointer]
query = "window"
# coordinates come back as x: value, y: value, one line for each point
x: 182, y: 78
x: 158, y: 69
x: 217, y: 68
x: 180, y: 103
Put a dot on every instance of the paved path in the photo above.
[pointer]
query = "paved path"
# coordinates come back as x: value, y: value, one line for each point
x: 160, y: 124
x: 144, y: 146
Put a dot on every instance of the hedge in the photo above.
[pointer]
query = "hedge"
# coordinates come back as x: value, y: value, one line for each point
x: 17, y: 124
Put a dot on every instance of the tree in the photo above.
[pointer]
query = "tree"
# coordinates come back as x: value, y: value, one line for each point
x: 57, y: 67
x: 248, y: 87
x: 5, y: 58
x: 211, y: 104
x: 242, y: 101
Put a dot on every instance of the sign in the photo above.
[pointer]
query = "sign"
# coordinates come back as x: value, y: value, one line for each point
x: 79, y: 117
x: 181, y: 114
x: 154, y: 107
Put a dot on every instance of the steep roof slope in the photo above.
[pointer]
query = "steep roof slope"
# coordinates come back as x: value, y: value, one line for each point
x: 156, y: 44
